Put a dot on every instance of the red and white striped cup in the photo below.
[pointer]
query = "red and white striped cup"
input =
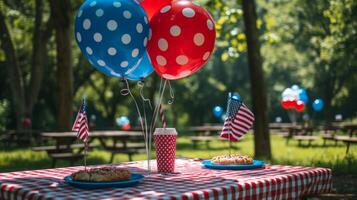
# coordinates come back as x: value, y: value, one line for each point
x: 165, y: 146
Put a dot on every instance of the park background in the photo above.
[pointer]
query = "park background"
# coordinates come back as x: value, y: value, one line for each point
x: 312, y: 44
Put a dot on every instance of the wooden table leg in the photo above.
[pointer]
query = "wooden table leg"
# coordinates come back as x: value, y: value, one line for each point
x: 348, y: 148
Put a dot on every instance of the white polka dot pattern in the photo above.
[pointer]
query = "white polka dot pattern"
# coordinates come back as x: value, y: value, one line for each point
x: 112, y: 51
x: 163, y: 45
x: 101, y: 63
x: 79, y: 37
x: 199, y: 39
x: 125, y: 39
x: 117, y: 4
x: 165, y: 146
x: 165, y: 9
x: 99, y: 12
x: 181, y: 60
x: 112, y: 25
x: 161, y: 60
x: 93, y: 4
x: 127, y: 14
x: 188, y: 12
x: 86, y: 24
x: 97, y: 37
x: 89, y: 50
x: 139, y: 28
x: 175, y: 30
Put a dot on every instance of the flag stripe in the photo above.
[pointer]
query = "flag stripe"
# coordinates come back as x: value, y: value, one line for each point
x: 246, y: 111
x: 240, y: 122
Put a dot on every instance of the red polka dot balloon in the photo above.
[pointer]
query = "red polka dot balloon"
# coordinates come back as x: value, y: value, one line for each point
x: 182, y: 39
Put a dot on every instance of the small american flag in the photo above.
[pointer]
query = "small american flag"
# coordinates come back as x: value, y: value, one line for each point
x: 239, y: 120
x: 81, y: 123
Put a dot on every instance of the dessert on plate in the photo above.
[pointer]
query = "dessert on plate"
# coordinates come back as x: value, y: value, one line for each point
x: 104, y: 174
x: 234, y: 159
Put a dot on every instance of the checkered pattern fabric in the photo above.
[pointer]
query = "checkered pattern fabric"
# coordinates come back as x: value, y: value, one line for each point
x: 191, y: 181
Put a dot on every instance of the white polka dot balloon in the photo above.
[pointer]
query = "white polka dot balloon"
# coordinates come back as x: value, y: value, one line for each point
x: 113, y: 35
x: 182, y: 39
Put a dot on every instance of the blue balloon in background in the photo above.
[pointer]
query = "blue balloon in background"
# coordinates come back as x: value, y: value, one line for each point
x: 303, y: 96
x: 236, y: 96
x: 318, y: 104
x: 295, y: 87
x: 112, y: 34
x: 123, y: 120
x: 217, y: 111
x: 143, y: 70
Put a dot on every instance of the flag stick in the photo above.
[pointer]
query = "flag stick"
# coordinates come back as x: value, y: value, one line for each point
x: 85, y: 155
x: 230, y: 145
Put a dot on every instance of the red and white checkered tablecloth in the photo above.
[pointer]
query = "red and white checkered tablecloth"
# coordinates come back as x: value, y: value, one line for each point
x: 191, y: 181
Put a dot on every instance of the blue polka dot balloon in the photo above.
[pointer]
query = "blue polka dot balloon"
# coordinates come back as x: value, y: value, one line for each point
x: 113, y: 35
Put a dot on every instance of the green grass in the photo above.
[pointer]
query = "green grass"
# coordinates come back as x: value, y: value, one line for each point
x: 316, y: 155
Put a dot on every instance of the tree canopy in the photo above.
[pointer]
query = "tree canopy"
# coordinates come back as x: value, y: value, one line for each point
x: 310, y: 43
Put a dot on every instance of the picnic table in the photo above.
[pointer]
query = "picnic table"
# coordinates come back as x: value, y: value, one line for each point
x: 113, y: 141
x: 350, y: 139
x: 191, y: 181
x: 329, y: 133
x: 300, y: 133
x: 204, y: 134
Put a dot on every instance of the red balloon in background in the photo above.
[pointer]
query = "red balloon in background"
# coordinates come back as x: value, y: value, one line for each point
x: 285, y: 103
x: 152, y: 6
x: 291, y: 103
x: 299, y: 106
x: 183, y: 37
x: 126, y: 127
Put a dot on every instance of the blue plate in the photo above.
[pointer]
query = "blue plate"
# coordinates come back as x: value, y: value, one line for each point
x: 135, y: 178
x: 256, y: 165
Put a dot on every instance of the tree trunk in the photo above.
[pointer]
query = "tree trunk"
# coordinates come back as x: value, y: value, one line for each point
x: 61, y: 11
x: 15, y: 79
x: 41, y: 36
x: 258, y: 91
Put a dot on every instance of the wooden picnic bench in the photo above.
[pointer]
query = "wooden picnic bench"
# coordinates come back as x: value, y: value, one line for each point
x: 20, y: 137
x: 329, y: 133
x: 65, y: 147
x: 203, y: 134
x: 305, y: 134
x: 124, y: 142
x: 350, y: 139
x: 300, y: 134
x: 112, y: 141
x: 292, y: 130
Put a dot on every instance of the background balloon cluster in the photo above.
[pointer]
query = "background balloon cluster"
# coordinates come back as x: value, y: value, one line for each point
x: 294, y: 98
x: 128, y: 39
x: 123, y: 122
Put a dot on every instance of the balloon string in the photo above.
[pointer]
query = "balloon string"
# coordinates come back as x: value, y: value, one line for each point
x: 153, y: 114
x: 156, y: 110
x: 153, y: 120
x: 126, y: 91
x: 172, y: 94
x: 147, y: 144
x: 141, y: 85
